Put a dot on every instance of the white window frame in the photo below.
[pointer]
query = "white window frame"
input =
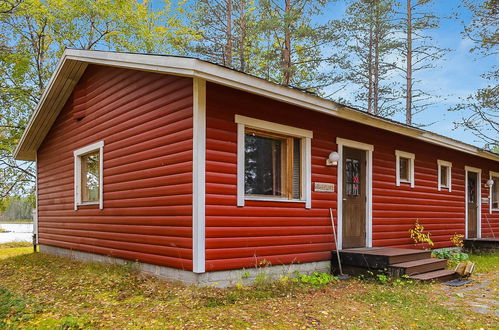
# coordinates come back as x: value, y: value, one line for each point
x: 495, y: 175
x: 98, y: 146
x: 402, y: 154
x: 449, y: 175
x: 306, y: 158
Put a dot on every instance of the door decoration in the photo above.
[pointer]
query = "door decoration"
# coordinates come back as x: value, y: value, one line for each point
x: 471, y: 190
x: 352, y: 177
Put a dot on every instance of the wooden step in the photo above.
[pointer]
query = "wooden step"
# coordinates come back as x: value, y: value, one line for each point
x: 380, y: 258
x: 437, y: 275
x: 409, y: 255
x: 417, y: 266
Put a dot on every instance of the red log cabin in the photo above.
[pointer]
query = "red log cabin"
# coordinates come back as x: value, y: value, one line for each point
x: 196, y: 171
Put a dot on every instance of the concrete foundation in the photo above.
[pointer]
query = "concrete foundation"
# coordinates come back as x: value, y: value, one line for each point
x: 217, y: 279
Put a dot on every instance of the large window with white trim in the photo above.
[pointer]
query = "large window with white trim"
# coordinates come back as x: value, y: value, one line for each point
x: 272, y: 164
x: 273, y: 161
x: 88, y: 175
x: 404, y: 168
x: 444, y: 175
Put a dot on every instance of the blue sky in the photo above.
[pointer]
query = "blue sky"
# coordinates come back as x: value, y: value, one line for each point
x: 456, y: 76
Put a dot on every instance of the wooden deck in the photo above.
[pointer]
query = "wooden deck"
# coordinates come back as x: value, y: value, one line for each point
x: 393, y: 261
x: 486, y: 244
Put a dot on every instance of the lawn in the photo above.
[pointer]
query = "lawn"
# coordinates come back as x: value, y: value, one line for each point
x: 41, y: 291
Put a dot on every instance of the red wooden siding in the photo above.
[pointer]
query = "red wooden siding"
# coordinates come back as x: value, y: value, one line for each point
x: 278, y: 233
x: 145, y: 121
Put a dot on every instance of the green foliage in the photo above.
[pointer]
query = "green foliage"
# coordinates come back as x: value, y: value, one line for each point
x: 18, y: 208
x: 450, y: 254
x: 32, y: 39
x: 317, y: 279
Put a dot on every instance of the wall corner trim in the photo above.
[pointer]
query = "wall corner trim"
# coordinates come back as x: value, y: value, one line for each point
x: 198, y: 175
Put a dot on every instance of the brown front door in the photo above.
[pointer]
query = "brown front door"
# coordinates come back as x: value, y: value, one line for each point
x: 472, y: 204
x: 354, y: 198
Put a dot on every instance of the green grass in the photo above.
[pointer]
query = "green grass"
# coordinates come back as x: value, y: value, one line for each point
x: 42, y: 291
x: 485, y: 263
x: 15, y: 245
x: 17, y: 221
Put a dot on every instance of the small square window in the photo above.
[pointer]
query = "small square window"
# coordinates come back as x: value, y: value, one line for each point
x: 88, y: 175
x: 444, y: 175
x: 404, y: 167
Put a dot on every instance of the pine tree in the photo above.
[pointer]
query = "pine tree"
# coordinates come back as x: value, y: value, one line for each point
x: 368, y: 31
x: 480, y: 109
x: 292, y: 44
x: 419, y: 52
x: 227, y: 32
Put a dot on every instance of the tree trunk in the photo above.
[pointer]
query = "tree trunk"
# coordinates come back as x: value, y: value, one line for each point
x: 286, y: 53
x: 228, y: 45
x: 370, y: 71
x: 408, y: 97
x: 242, y: 37
x: 376, y: 61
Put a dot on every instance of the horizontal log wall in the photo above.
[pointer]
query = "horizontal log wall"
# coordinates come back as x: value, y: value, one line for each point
x: 145, y: 121
x: 273, y: 233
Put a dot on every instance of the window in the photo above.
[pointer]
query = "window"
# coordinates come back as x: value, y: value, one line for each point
x: 404, y: 167
x: 444, y: 175
x: 273, y: 162
x: 88, y: 175
x: 494, y: 192
x: 272, y: 165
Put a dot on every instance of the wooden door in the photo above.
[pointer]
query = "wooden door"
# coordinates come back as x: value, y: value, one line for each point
x: 472, y: 191
x: 354, y: 198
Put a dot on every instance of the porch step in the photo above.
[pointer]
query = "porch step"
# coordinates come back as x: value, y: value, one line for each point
x: 418, y: 266
x: 438, y: 276
x: 380, y: 258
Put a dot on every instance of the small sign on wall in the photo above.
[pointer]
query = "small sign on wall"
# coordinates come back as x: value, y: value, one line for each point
x: 485, y: 200
x: 323, y: 187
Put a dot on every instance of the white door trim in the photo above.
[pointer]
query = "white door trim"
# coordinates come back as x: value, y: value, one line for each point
x: 198, y: 176
x: 369, y: 149
x: 478, y: 171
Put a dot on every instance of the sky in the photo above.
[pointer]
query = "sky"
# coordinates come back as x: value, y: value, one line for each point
x: 455, y: 77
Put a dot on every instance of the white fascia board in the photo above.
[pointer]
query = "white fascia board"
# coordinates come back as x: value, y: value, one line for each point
x: 191, y: 67
x: 207, y: 71
x: 39, y: 106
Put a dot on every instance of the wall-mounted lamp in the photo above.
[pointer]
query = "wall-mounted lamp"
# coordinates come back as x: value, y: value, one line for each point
x: 489, y: 183
x: 333, y: 159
